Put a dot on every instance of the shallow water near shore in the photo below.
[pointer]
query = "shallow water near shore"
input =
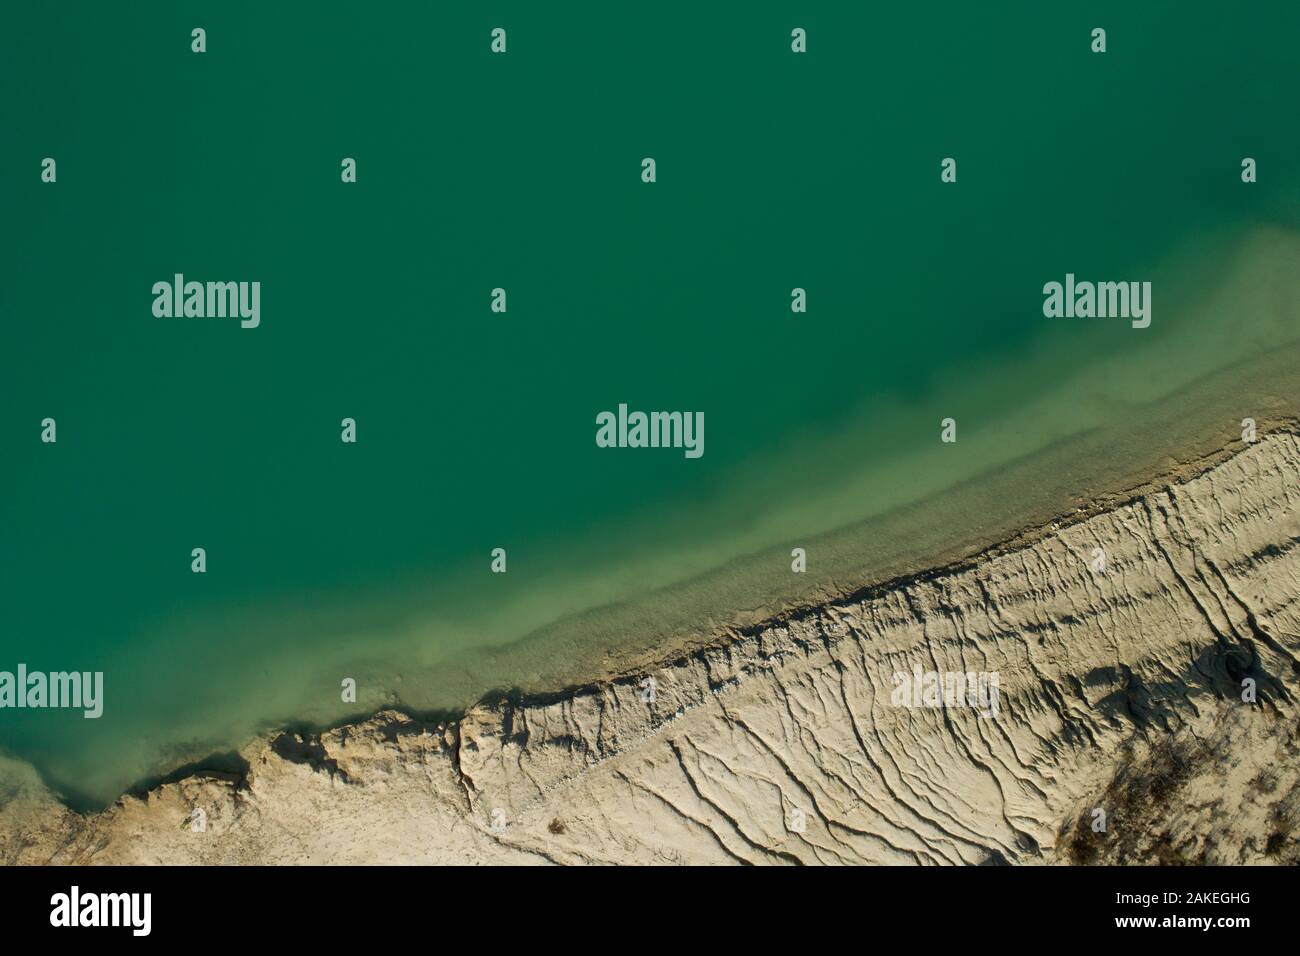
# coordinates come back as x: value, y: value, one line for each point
x: 476, y: 430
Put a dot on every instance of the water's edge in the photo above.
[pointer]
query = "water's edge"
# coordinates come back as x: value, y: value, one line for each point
x: 229, y: 764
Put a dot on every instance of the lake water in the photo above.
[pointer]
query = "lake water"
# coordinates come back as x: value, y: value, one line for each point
x: 475, y: 429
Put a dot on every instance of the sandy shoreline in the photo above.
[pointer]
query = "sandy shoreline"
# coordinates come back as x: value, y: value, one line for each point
x: 1197, y: 428
x: 1163, y: 405
x: 1178, y: 438
x: 1106, y: 680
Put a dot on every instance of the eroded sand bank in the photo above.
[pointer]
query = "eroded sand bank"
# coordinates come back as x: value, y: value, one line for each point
x: 1119, y: 690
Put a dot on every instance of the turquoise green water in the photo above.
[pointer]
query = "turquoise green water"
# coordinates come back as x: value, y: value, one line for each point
x: 475, y: 429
